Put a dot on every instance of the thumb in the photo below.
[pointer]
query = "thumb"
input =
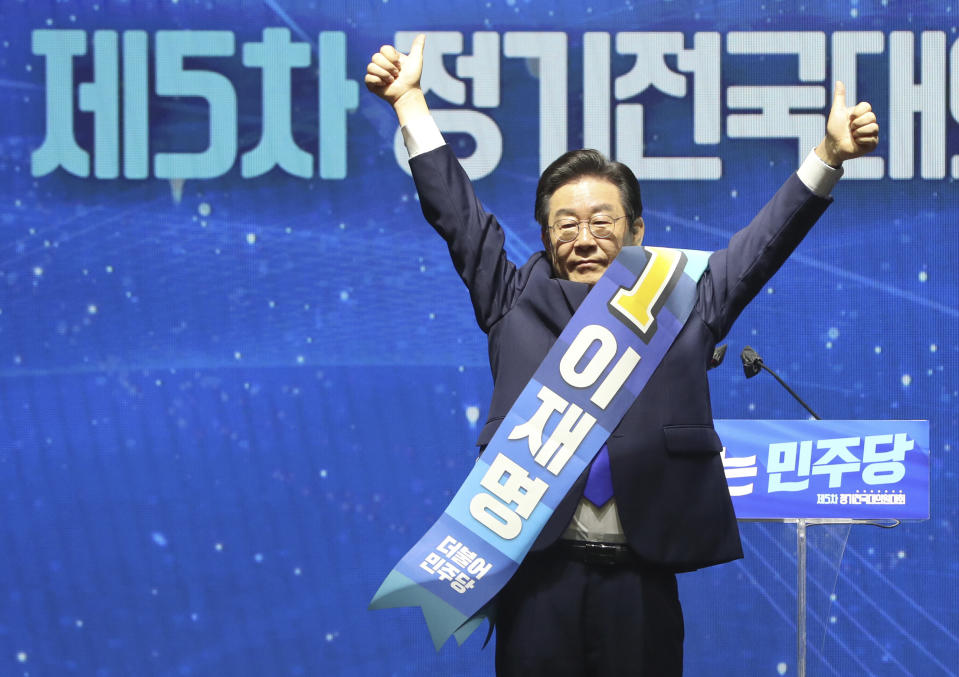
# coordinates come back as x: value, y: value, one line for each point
x: 416, y: 50
x: 839, y: 96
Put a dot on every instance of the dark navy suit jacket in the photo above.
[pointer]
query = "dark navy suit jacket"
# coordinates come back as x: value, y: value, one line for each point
x: 668, y: 478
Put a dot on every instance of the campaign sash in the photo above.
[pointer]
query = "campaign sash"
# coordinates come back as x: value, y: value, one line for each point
x: 579, y: 393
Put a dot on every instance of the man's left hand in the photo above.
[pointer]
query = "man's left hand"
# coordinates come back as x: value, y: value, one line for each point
x: 850, y: 132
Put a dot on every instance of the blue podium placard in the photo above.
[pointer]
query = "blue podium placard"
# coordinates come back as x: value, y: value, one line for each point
x: 827, y: 469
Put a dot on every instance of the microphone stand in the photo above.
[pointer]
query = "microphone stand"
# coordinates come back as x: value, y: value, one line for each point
x: 752, y: 365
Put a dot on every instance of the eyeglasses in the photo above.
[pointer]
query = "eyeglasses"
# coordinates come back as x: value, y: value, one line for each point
x: 600, y: 225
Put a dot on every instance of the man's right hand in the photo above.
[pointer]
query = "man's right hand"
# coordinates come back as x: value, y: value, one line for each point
x: 395, y: 78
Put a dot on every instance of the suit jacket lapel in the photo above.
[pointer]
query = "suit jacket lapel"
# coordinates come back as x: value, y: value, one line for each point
x: 574, y: 293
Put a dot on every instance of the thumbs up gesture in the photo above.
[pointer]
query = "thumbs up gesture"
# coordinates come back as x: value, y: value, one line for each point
x: 850, y: 132
x: 391, y: 75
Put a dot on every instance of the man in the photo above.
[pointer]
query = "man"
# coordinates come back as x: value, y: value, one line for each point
x: 597, y: 593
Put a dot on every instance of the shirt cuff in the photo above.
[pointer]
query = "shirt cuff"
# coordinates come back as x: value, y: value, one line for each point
x: 421, y: 135
x: 817, y: 176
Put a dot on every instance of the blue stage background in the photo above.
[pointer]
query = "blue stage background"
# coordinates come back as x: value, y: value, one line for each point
x: 229, y: 405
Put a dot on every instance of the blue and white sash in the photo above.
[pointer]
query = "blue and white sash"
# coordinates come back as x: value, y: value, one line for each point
x: 578, y: 395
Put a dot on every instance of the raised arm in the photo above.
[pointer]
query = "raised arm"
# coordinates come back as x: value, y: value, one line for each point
x: 474, y: 237
x: 756, y: 252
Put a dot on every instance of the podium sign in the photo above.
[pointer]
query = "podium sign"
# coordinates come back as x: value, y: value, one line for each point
x: 827, y: 469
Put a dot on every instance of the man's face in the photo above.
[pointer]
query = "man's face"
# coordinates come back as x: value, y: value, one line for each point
x: 586, y: 258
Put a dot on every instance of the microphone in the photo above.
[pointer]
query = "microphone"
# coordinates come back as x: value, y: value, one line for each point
x: 753, y: 363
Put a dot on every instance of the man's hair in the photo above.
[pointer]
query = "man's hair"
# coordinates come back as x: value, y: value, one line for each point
x: 587, y: 162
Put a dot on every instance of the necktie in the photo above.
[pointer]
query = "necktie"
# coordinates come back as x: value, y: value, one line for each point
x: 599, y: 482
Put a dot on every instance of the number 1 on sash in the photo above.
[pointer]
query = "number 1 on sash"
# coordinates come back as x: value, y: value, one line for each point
x: 637, y: 307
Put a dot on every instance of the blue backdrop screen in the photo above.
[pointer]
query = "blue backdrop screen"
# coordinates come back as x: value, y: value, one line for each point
x: 239, y: 376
